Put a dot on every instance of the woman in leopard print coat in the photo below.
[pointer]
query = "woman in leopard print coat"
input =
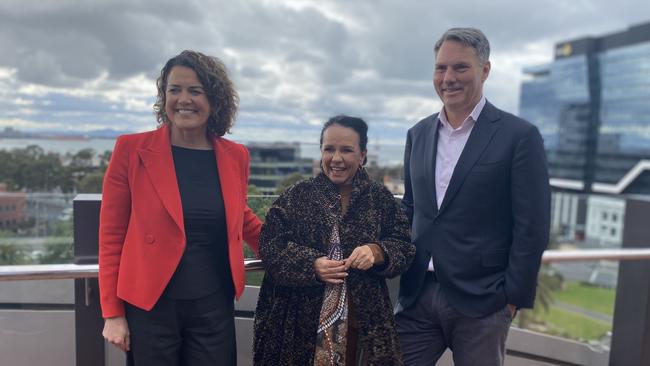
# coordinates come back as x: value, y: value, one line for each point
x: 297, y: 232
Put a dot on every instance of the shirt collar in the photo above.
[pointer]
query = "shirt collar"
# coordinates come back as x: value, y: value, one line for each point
x: 473, y: 117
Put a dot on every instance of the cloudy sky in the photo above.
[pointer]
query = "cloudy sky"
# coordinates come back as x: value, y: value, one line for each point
x: 86, y: 65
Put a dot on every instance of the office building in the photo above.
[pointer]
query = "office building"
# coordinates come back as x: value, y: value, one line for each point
x: 271, y: 163
x: 12, y: 208
x: 592, y: 106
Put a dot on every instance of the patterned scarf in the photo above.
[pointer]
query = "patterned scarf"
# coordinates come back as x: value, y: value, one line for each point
x: 332, y: 325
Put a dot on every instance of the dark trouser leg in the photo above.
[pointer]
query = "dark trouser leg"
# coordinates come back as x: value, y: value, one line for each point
x: 209, y: 331
x: 420, y: 332
x: 477, y: 341
x: 351, y: 345
x: 155, y: 335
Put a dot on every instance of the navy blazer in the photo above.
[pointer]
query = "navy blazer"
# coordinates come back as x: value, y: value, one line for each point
x: 492, y: 227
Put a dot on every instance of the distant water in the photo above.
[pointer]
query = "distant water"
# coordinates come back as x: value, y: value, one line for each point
x: 383, y: 154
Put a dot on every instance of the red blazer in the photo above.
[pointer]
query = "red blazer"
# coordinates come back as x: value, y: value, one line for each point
x: 141, y: 230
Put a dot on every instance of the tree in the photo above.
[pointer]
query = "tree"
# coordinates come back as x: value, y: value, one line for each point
x: 12, y: 254
x: 32, y: 169
x: 7, y: 169
x: 83, y: 159
x: 288, y: 182
x: 377, y: 172
x: 91, y: 183
x: 104, y: 159
x: 57, y: 253
x: 259, y: 203
x: 548, y: 282
x: 63, y: 228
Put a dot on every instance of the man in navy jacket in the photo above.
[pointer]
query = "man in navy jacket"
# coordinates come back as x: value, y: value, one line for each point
x: 478, y: 197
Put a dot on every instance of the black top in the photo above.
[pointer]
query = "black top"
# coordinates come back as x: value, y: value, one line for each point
x: 204, y: 267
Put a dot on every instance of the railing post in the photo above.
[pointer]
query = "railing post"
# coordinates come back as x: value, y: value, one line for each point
x: 88, y: 321
x: 631, y: 329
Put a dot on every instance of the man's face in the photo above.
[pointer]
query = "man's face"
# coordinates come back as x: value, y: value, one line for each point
x: 459, y: 77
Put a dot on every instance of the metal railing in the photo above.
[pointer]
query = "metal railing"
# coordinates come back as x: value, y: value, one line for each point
x: 81, y: 271
x: 551, y: 256
x: 73, y: 271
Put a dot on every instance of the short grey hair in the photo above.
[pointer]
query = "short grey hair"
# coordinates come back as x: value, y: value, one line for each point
x: 468, y: 37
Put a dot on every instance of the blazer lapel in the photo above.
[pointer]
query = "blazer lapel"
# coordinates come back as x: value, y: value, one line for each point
x: 479, y: 138
x: 430, y: 161
x: 159, y: 164
x: 229, y: 180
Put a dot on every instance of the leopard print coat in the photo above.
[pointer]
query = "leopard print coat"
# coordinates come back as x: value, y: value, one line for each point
x: 295, y: 233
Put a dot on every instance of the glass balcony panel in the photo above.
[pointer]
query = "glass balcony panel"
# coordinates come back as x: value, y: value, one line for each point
x: 571, y: 323
x: 37, y: 323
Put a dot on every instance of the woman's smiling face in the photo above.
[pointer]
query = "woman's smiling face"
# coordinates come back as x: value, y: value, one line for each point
x: 341, y: 154
x: 186, y: 102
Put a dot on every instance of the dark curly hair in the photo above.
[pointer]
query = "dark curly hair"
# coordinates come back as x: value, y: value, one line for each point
x: 219, y: 89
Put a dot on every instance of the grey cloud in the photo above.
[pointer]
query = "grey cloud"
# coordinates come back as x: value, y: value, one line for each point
x: 399, y: 39
x: 511, y: 24
x: 77, y: 41
x: 65, y: 43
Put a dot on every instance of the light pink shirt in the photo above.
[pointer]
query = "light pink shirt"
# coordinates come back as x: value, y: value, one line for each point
x: 451, y: 143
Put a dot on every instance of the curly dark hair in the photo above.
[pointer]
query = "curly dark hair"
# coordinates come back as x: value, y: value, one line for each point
x: 219, y: 89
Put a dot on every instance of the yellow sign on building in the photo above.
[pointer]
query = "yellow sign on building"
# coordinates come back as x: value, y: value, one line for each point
x: 564, y: 50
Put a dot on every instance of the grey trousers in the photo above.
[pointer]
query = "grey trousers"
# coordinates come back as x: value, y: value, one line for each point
x: 430, y: 326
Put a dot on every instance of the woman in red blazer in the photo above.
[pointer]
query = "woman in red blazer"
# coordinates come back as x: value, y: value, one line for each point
x: 172, y: 221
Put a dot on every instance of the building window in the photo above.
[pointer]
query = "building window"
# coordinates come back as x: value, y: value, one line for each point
x: 604, y: 215
x: 614, y: 217
x: 612, y: 231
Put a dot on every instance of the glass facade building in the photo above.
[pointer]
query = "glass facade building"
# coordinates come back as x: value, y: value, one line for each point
x: 592, y: 106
